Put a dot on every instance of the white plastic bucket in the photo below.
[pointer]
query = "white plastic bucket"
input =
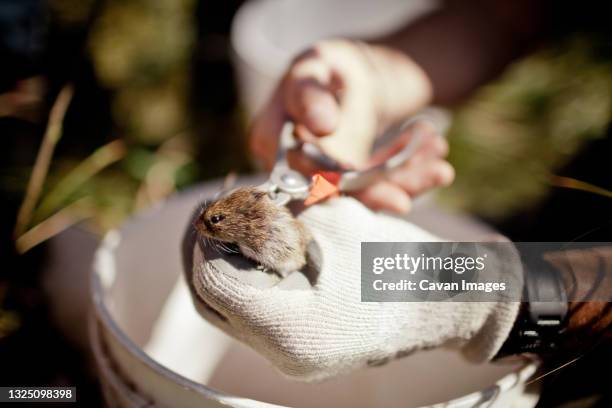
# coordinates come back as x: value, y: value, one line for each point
x: 152, y: 348
x: 267, y: 34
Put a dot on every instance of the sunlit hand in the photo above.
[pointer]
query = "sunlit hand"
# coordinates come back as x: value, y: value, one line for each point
x: 341, y: 95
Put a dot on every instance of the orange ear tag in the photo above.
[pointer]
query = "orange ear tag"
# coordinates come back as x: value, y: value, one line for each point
x: 324, y: 186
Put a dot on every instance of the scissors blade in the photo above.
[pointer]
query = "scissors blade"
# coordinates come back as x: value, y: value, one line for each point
x: 286, y: 142
x: 285, y: 184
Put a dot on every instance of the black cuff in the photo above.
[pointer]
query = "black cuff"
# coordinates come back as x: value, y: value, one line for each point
x: 542, y: 316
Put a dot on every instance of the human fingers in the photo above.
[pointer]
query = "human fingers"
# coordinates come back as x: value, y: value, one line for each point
x: 309, y: 94
x: 385, y: 195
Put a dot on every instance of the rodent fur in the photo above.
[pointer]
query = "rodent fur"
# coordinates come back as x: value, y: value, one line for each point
x: 265, y: 232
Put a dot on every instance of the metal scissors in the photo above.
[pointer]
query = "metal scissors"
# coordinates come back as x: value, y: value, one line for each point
x: 285, y: 184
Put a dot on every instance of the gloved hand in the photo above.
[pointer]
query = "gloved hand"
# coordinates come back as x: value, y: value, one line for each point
x: 325, y: 330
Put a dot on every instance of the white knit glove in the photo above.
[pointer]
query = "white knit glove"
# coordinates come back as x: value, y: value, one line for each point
x: 326, y: 330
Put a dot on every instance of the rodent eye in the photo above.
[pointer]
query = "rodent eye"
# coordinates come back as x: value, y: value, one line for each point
x: 215, y: 219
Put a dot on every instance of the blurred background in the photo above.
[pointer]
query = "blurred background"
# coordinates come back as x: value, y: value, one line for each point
x: 109, y: 106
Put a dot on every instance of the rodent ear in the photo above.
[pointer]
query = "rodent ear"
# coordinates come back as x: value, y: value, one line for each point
x: 257, y: 194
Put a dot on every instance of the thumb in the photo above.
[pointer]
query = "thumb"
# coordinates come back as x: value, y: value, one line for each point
x: 310, y: 96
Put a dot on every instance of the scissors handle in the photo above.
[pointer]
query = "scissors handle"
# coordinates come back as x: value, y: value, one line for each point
x: 286, y: 142
x: 354, y: 180
x: 286, y: 184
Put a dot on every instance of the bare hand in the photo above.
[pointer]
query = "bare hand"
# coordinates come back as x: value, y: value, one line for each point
x: 341, y: 94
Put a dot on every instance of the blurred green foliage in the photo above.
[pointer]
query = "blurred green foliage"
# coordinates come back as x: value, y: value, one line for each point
x: 515, y: 133
x: 141, y: 51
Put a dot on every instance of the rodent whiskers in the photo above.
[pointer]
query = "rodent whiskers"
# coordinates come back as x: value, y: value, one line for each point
x: 216, y: 244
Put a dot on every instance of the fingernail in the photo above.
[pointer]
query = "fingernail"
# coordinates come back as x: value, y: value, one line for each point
x: 402, y: 205
x: 446, y: 174
x: 396, y: 202
x: 322, y: 118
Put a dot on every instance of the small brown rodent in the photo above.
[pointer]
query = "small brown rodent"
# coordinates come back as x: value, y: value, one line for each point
x: 264, y: 232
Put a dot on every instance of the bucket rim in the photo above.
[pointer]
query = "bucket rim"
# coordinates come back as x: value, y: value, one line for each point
x: 103, y: 316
